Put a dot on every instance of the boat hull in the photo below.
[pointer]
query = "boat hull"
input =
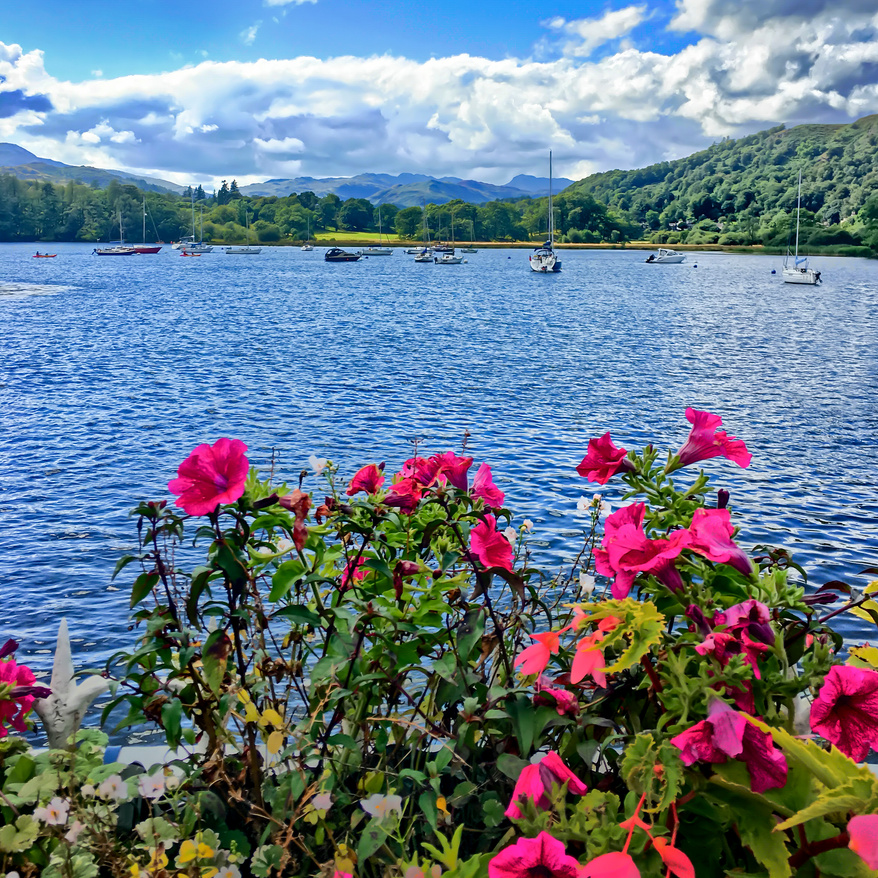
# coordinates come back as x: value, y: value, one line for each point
x: 801, y: 276
x: 544, y: 262
x: 376, y: 251
x: 144, y: 249
x: 242, y: 251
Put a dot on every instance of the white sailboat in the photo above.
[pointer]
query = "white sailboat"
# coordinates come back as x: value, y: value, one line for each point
x: 248, y: 249
x: 379, y: 250
x: 424, y: 253
x: 307, y: 246
x: 798, y: 272
x: 472, y: 234
x: 189, y: 245
x: 543, y: 258
x: 448, y: 257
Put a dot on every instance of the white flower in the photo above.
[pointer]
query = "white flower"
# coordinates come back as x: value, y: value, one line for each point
x: 229, y: 872
x: 113, y: 788
x: 583, y: 505
x: 511, y: 534
x: 151, y: 786
x: 528, y: 525
x: 75, y: 831
x: 12, y: 875
x: 55, y: 813
x: 380, y: 806
x: 318, y: 464
x: 586, y: 583
x: 322, y: 801
x: 87, y: 790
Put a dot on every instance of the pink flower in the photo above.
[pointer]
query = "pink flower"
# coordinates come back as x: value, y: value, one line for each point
x: 863, y: 830
x: 603, y: 461
x: 565, y: 702
x: 534, y: 659
x: 454, y: 468
x: 612, y: 865
x: 404, y: 494
x: 15, y: 706
x: 542, y: 856
x: 536, y: 781
x: 845, y: 711
x: 423, y: 470
x: 212, y: 474
x: 711, y: 536
x: 726, y: 733
x: 705, y: 442
x: 489, y: 545
x: 674, y: 859
x: 588, y: 660
x: 752, y: 616
x: 484, y: 487
x: 368, y: 478
x: 723, y: 645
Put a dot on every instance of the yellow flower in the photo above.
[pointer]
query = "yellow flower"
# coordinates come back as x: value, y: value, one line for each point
x: 194, y: 850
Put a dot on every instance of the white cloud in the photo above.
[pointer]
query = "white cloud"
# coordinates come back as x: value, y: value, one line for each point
x: 288, y: 2
x: 584, y: 35
x: 248, y: 36
x: 750, y: 68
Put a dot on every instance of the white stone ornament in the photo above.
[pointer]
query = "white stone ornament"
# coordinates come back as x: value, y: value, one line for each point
x: 62, y: 712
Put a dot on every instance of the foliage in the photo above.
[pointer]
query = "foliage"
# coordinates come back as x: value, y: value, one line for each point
x: 384, y: 685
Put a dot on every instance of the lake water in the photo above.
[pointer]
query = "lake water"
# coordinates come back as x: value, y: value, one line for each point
x: 113, y: 369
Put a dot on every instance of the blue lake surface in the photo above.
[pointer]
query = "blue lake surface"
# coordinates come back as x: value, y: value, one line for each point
x: 113, y: 369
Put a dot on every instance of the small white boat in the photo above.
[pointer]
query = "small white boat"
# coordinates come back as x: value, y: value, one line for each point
x: 197, y: 247
x: 247, y: 249
x: 543, y: 259
x: 189, y: 244
x: 447, y: 259
x: 798, y: 272
x: 183, y: 243
x: 115, y: 251
x: 307, y: 247
x: 472, y: 232
x: 424, y: 255
x: 663, y: 256
x: 380, y: 250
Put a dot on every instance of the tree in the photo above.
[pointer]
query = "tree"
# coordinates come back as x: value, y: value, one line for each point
x: 409, y: 222
x: 355, y: 214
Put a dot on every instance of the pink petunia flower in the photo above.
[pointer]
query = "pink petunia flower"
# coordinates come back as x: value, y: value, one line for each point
x: 543, y: 856
x: 711, y: 536
x: 212, y: 474
x: 705, y: 441
x: 454, y: 468
x: 484, y: 487
x: 727, y: 734
x: 845, y: 711
x: 17, y: 704
x: 863, y: 830
x: 612, y: 865
x: 534, y: 658
x: 588, y: 660
x: 564, y: 701
x: 489, y: 545
x: 368, y: 478
x: 603, y: 460
x: 404, y: 494
x: 536, y: 781
x: 422, y: 469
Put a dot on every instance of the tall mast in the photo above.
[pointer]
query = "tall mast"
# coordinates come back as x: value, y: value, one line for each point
x: 798, y: 211
x: 144, y: 220
x: 551, y: 214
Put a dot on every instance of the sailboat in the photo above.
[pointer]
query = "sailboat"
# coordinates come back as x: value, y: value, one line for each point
x: 424, y: 254
x: 472, y: 235
x: 379, y: 250
x: 119, y: 249
x: 543, y: 258
x: 143, y: 247
x: 307, y: 246
x: 447, y: 257
x: 189, y: 244
x: 248, y: 249
x: 798, y: 272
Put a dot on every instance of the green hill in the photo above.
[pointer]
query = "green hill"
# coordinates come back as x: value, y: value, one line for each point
x: 746, y: 188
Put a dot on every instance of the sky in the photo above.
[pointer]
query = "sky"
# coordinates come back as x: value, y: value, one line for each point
x: 260, y: 89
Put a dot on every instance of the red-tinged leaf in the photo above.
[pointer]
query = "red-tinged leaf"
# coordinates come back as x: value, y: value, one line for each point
x: 835, y: 585
x: 679, y: 864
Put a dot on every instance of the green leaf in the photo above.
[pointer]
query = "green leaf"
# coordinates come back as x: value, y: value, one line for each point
x: 299, y: 615
x: 143, y: 585
x: 21, y: 836
x: 172, y: 713
x: 511, y: 766
x: 214, y: 657
x: 427, y: 804
x: 371, y: 838
x: 470, y: 631
x: 283, y: 579
x: 266, y: 859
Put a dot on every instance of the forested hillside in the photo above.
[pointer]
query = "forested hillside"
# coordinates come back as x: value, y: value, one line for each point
x: 743, y: 191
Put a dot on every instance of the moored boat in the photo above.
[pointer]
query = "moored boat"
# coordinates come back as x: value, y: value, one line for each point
x: 39, y: 255
x: 543, y: 259
x: 336, y: 254
x: 798, y: 272
x: 664, y: 256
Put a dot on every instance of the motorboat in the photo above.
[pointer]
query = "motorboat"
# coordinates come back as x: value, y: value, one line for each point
x: 183, y: 243
x: 544, y: 259
x: 663, y: 256
x: 424, y: 255
x: 336, y: 254
x: 797, y: 271
x: 447, y: 259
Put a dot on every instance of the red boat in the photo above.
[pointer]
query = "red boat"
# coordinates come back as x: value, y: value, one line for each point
x: 184, y: 253
x: 144, y: 248
x: 39, y: 255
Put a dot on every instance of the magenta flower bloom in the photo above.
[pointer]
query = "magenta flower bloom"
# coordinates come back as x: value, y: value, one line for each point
x: 705, y: 442
x: 565, y: 702
x: 612, y: 865
x: 540, y: 857
x: 536, y: 781
x: 489, y: 545
x: 845, y: 711
x: 404, y: 494
x: 863, y: 830
x: 423, y: 470
x: 15, y: 706
x: 534, y: 658
x: 711, y: 536
x: 726, y: 733
x: 603, y: 460
x: 454, y: 468
x: 484, y: 487
x: 724, y: 644
x: 368, y: 478
x: 212, y: 474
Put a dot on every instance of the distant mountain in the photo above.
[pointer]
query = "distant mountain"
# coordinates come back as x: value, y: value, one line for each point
x: 404, y: 190
x: 19, y: 162
x: 538, y: 185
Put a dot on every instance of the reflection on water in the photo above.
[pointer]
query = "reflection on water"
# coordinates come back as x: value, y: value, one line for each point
x: 113, y: 370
